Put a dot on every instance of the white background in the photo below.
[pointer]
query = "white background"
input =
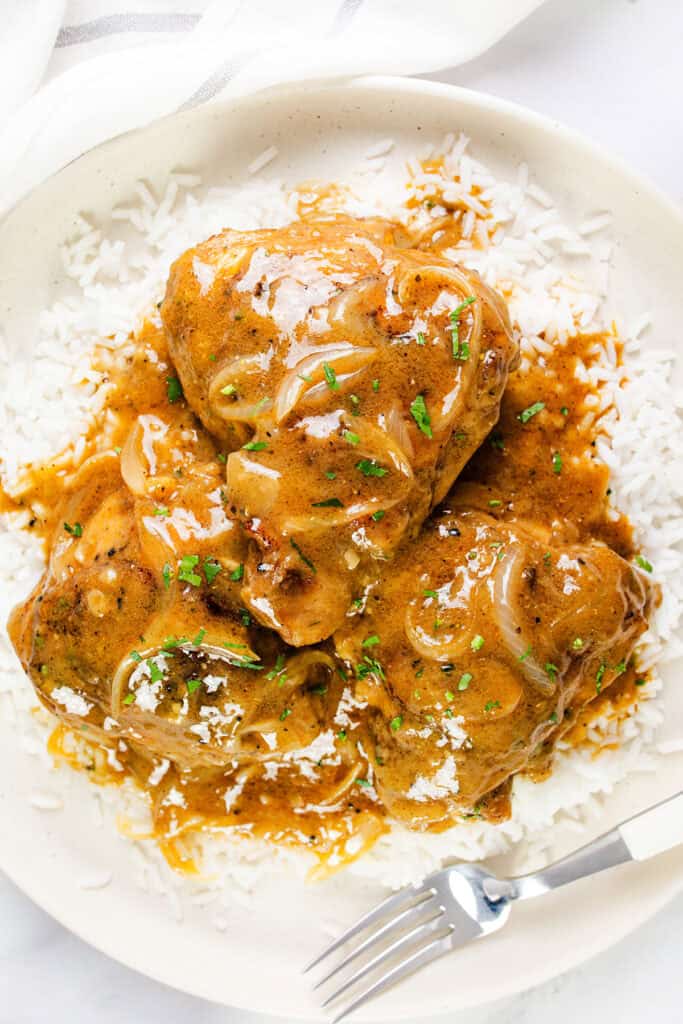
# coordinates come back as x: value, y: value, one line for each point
x: 614, y: 70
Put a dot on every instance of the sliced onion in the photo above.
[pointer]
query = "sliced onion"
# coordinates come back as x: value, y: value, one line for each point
x: 506, y: 585
x: 244, y: 410
x: 345, y: 360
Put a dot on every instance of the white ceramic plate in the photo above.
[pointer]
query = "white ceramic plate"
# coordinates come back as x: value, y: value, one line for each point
x: 320, y: 131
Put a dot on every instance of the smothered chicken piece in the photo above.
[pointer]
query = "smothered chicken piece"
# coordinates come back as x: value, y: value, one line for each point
x: 480, y: 643
x: 349, y: 379
x: 136, y: 632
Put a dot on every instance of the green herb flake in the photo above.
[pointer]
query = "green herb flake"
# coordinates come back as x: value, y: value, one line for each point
x: 279, y: 667
x: 450, y: 696
x: 375, y: 384
x: 229, y: 390
x: 330, y: 474
x: 173, y: 389
x: 118, y: 450
x: 551, y: 669
x: 418, y: 410
x: 396, y: 723
x: 237, y: 574
x: 491, y: 705
x: 477, y: 642
x: 167, y: 575
x: 305, y: 377
x: 211, y: 569
x: 431, y: 593
x: 341, y: 735
x: 577, y: 643
x: 364, y: 783
x: 599, y: 677
x: 621, y: 667
x: 192, y: 685
x: 285, y: 713
x: 198, y: 640
x: 221, y: 457
x: 640, y: 560
x: 370, y: 641
x: 640, y: 682
x: 350, y: 437
x: 161, y: 511
x: 369, y: 467
x: 302, y: 556
x: 465, y: 680
x: 186, y: 570
x: 129, y: 698
x: 254, y: 446
x: 532, y: 411
x: 526, y: 654
x: 379, y: 514
x: 557, y: 463
x: 553, y: 718
x: 75, y: 531
x: 564, y: 410
x: 155, y: 673
x: 461, y: 352
x: 421, y: 340
x: 328, y: 503
x: 330, y: 377
x: 495, y: 503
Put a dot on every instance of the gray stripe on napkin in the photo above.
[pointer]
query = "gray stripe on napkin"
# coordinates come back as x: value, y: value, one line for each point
x: 345, y: 14
x: 217, y: 81
x: 71, y: 35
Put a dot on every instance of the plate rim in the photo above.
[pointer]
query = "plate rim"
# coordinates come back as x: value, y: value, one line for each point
x: 518, y: 113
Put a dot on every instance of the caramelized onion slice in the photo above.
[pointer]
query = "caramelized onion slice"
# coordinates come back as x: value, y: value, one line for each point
x: 346, y: 361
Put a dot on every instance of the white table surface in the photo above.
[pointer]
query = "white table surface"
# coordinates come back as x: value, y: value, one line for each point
x: 613, y: 69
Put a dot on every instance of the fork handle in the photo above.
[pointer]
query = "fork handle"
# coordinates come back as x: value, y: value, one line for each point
x: 644, y: 835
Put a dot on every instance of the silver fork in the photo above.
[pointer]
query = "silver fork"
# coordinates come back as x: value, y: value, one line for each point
x: 463, y: 902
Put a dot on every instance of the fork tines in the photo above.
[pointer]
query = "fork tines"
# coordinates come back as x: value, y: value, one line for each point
x: 405, y: 932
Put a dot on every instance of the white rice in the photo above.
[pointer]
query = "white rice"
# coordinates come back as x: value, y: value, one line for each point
x: 116, y: 278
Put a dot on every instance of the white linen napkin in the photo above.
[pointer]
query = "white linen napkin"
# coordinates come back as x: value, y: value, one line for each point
x: 106, y: 69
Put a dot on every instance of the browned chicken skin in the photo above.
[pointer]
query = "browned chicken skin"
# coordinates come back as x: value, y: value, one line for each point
x: 350, y: 379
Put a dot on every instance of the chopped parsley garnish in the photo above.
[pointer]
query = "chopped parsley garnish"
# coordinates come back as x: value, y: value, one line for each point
x: 357, y: 602
x: 285, y: 713
x: 551, y: 669
x: 135, y: 656
x: 221, y: 457
x: 302, y: 556
x: 533, y: 410
x: 369, y: 467
x: 640, y: 682
x: 370, y: 641
x: 495, y: 503
x: 621, y: 667
x: 364, y: 783
x: 118, y: 450
x: 418, y: 410
x: 255, y: 446
x: 599, y: 677
x: 396, y: 723
x: 320, y: 690
x: 342, y: 673
x: 577, y: 643
x: 421, y: 340
x: 341, y: 735
x: 553, y: 717
x: 161, y: 511
x: 330, y: 377
x: 211, y: 569
x: 369, y: 666
x: 379, y: 514
x: 228, y: 390
x: 564, y: 410
x: 465, y: 680
x: 557, y: 463
x: 449, y: 696
x: 477, y: 642
x: 640, y: 560
x: 186, y: 570
x: 546, y: 558
x: 431, y: 593
x: 245, y: 617
x: 305, y: 377
x: 237, y: 574
x: 129, y: 698
x: 350, y: 437
x: 375, y: 385
x: 330, y: 474
x: 491, y: 705
x: 526, y: 654
x: 75, y: 531
x: 197, y: 642
x: 460, y: 351
x: 328, y: 503
x: 155, y: 673
x: 173, y: 389
x: 279, y: 667
x: 355, y: 402
x: 167, y: 575
x: 192, y: 685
